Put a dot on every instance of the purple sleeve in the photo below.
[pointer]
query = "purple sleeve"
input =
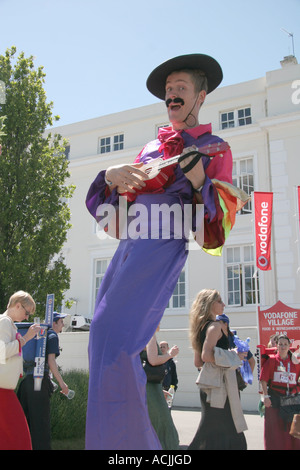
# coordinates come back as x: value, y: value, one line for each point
x: 99, y: 194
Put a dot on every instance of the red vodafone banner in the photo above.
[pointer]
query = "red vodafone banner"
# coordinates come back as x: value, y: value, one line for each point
x: 263, y: 204
x: 278, y: 319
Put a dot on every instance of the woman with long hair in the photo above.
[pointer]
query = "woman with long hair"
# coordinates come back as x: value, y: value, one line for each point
x: 218, y: 430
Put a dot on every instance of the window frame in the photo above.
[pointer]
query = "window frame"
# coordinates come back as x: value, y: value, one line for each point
x: 96, y: 277
x: 171, y: 308
x: 235, y: 120
x: 110, y: 143
x: 239, y: 176
x: 241, y: 266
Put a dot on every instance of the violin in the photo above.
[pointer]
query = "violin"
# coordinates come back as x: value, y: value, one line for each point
x: 159, y: 170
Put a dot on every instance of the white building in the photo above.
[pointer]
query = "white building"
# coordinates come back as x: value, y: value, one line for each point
x: 261, y: 121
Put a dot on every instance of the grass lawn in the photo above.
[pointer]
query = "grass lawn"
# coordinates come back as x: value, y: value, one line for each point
x: 68, y: 444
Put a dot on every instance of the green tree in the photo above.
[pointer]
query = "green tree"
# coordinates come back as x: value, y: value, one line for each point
x: 34, y: 213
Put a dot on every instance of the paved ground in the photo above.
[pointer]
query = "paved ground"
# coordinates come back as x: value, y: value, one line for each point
x: 187, y: 420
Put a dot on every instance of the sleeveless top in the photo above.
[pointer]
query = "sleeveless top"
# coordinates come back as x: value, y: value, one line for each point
x: 222, y: 343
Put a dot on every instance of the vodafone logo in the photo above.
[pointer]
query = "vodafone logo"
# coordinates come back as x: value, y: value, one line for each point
x: 263, y: 226
x: 263, y: 220
x: 262, y: 261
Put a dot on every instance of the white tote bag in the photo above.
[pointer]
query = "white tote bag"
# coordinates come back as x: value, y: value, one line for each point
x: 10, y: 369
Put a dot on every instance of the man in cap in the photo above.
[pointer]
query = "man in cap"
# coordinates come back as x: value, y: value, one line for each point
x: 143, y: 272
x: 36, y: 404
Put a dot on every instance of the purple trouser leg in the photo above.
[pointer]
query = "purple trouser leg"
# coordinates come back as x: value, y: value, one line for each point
x: 131, y: 301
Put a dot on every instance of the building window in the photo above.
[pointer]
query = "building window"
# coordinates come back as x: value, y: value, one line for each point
x: 111, y: 143
x: 240, y: 268
x: 118, y: 142
x: 104, y: 145
x: 101, y: 266
x: 227, y: 120
x: 178, y: 298
x: 235, y: 118
x: 244, y: 116
x: 67, y: 152
x: 243, y: 178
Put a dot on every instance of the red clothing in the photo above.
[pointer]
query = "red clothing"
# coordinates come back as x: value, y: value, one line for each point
x: 14, y: 431
x: 271, y: 371
x: 276, y: 431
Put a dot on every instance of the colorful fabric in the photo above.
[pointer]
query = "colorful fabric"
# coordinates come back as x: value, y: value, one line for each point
x: 231, y: 200
x: 135, y: 292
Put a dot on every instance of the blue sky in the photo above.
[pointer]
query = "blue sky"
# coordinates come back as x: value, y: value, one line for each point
x: 98, y: 54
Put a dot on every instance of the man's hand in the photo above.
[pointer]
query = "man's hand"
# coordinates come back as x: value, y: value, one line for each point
x: 64, y: 388
x: 32, y: 331
x: 174, y: 351
x: 196, y: 175
x: 126, y: 178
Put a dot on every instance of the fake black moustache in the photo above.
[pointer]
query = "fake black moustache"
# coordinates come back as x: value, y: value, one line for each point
x: 175, y: 101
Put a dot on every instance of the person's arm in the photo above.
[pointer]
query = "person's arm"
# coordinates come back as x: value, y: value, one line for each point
x: 10, y: 348
x: 174, y: 378
x: 152, y: 354
x: 266, y: 374
x: 213, y: 334
x: 266, y: 397
x: 54, y: 369
x: 196, y: 175
x: 221, y: 201
x: 197, y: 360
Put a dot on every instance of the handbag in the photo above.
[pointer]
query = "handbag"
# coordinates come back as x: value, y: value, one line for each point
x: 155, y: 374
x: 295, y: 427
x: 10, y: 372
x: 240, y: 381
x: 289, y: 406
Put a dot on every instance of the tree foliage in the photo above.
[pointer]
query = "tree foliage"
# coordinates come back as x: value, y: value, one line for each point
x: 34, y: 212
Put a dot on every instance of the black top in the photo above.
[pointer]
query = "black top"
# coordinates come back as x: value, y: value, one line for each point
x: 222, y: 343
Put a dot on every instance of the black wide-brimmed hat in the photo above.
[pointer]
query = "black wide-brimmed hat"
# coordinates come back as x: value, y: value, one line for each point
x: 156, y: 81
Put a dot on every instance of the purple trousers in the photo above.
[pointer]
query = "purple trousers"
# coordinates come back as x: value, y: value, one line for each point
x: 131, y: 301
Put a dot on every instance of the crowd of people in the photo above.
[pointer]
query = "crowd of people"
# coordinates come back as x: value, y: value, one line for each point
x: 139, y: 282
x: 25, y: 415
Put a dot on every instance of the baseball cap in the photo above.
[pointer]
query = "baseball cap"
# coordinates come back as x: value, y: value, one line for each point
x: 57, y: 316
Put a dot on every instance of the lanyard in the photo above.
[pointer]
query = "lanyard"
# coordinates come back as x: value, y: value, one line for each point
x: 286, y: 373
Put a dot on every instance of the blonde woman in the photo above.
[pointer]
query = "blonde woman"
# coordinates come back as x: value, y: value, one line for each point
x: 14, y: 432
x: 217, y: 429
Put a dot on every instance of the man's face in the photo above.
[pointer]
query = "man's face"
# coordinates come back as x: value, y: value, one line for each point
x: 180, y: 85
x: 164, y: 348
x: 58, y: 325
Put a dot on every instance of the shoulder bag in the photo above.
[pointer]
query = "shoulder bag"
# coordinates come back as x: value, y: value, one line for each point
x: 289, y: 406
x: 10, y: 372
x: 155, y: 374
